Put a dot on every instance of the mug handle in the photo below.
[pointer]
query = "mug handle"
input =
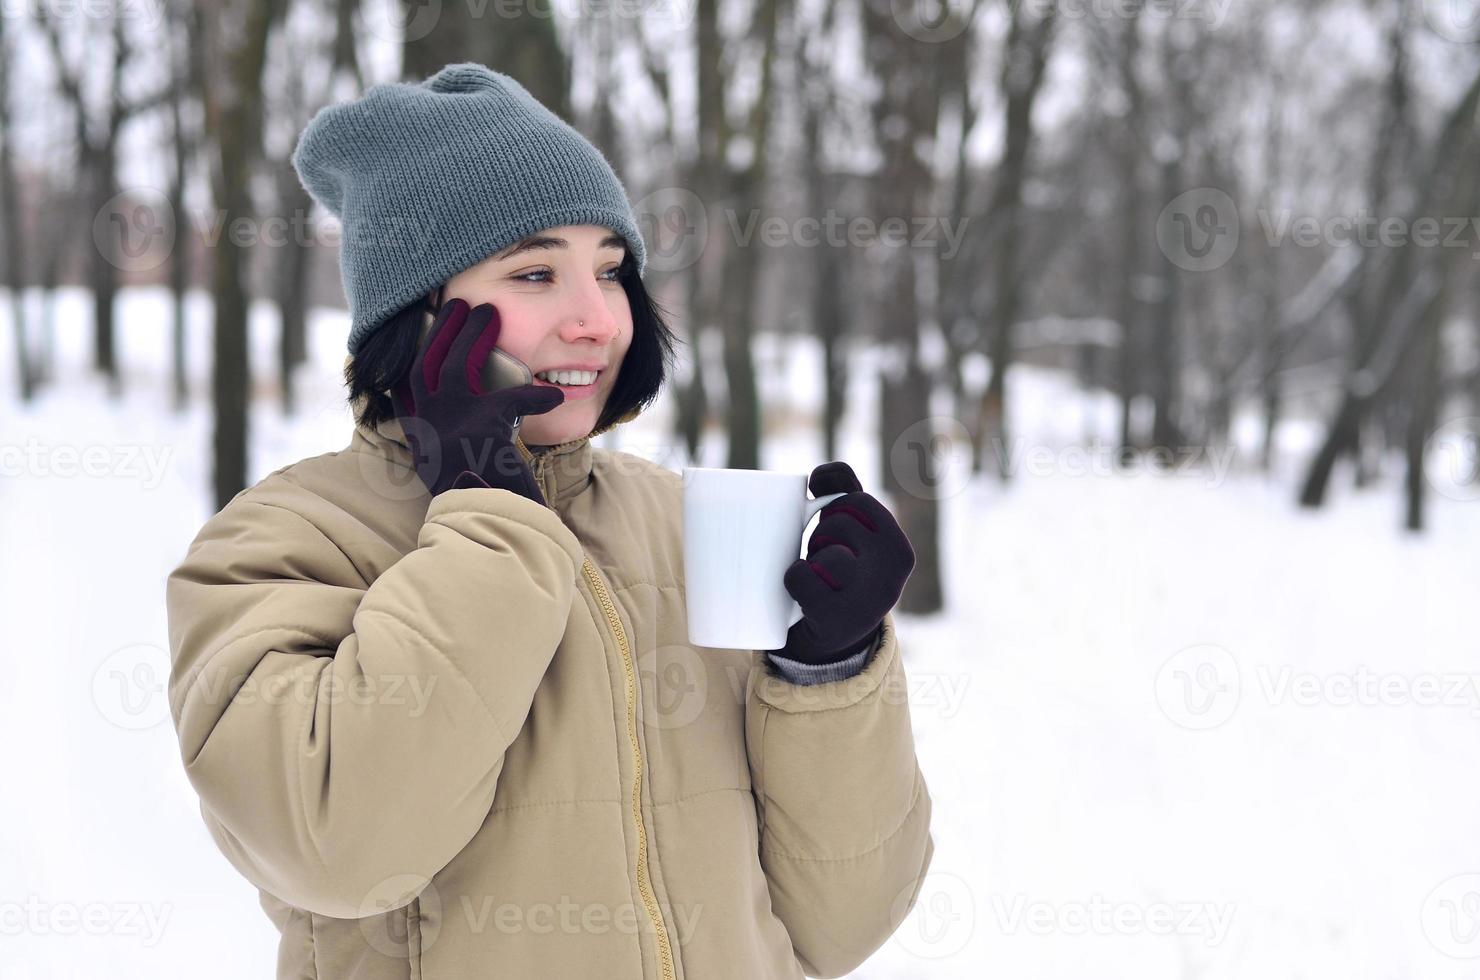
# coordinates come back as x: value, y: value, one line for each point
x: 813, y: 506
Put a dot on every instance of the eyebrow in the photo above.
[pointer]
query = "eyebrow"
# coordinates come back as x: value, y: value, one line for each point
x: 538, y: 242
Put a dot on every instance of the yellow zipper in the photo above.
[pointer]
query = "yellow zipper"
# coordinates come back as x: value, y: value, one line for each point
x: 644, y: 886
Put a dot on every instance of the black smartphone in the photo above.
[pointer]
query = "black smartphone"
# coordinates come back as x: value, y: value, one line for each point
x: 500, y: 370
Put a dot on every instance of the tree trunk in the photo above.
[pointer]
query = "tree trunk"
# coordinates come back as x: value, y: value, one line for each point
x: 518, y: 40
x: 906, y: 113
x: 103, y: 270
x: 234, y: 119
x: 10, y: 230
x: 744, y: 265
x: 1024, y: 56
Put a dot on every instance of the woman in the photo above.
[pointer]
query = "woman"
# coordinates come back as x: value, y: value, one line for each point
x: 434, y: 690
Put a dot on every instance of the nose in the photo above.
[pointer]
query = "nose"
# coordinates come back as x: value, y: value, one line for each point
x: 589, y: 319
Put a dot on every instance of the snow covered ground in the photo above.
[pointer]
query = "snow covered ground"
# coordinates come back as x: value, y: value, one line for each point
x: 1173, y: 727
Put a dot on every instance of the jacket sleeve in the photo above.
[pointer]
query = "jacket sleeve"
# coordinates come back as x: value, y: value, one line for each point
x: 843, y: 810
x: 345, y: 740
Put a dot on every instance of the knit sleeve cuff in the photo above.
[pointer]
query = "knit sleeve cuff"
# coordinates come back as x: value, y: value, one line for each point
x: 799, y: 672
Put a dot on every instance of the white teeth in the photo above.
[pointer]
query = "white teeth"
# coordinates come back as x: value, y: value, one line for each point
x: 568, y: 377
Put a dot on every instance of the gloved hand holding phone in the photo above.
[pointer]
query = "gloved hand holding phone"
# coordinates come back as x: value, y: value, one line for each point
x: 461, y: 435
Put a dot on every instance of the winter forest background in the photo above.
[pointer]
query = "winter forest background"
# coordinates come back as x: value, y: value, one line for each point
x: 1157, y: 324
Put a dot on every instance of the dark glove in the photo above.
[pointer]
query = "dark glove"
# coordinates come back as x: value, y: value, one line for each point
x: 858, y: 560
x: 459, y: 436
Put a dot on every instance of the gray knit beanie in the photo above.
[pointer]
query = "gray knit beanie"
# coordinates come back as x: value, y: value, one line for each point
x: 432, y: 177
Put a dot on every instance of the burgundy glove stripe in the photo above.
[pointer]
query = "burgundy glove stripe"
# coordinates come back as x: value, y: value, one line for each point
x: 431, y: 365
x: 823, y: 574
x: 842, y: 508
x: 820, y: 541
x: 481, y: 349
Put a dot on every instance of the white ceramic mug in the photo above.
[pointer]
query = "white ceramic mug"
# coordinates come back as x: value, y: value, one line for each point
x: 742, y: 529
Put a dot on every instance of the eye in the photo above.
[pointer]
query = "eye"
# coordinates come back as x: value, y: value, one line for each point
x: 608, y: 276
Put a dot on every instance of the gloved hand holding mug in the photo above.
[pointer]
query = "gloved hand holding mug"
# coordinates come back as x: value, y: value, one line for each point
x: 858, y: 560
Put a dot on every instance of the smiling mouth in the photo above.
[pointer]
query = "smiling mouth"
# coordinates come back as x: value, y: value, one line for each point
x: 554, y: 384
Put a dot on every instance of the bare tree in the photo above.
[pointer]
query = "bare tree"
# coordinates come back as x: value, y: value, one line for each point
x: 97, y: 149
x: 1399, y: 296
x: 517, y: 39
x: 10, y: 227
x: 1024, y: 56
x: 309, y: 70
x: 185, y: 53
x: 236, y: 38
x: 906, y: 112
x: 817, y: 94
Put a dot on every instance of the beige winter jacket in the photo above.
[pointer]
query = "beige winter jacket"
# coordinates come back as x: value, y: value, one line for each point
x: 466, y: 737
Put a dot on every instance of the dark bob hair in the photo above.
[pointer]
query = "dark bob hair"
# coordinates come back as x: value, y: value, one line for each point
x: 385, y: 357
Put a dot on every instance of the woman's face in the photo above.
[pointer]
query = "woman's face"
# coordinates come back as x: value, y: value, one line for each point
x: 560, y: 305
